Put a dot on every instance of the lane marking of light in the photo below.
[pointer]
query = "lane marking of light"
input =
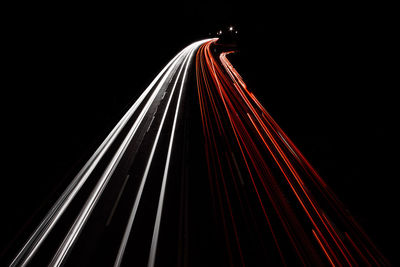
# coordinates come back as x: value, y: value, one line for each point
x: 151, y: 122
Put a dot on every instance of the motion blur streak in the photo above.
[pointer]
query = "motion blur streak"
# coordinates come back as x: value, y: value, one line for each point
x: 131, y: 130
x: 200, y: 177
x: 305, y: 221
x: 44, y: 228
x: 91, y: 202
x: 186, y: 63
x: 162, y: 193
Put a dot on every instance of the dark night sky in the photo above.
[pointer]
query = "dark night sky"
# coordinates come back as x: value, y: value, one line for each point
x: 323, y: 72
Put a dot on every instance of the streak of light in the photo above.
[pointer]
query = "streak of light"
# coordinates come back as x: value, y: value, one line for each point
x: 128, y: 228
x: 39, y: 235
x: 156, y: 230
x: 88, y: 207
x: 225, y: 100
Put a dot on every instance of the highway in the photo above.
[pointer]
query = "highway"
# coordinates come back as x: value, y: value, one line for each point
x: 197, y: 173
x: 151, y: 122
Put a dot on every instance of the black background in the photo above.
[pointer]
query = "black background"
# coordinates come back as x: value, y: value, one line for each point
x: 324, y: 72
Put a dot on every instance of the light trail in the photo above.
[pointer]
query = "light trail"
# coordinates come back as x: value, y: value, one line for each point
x: 96, y: 193
x: 271, y: 207
x: 39, y: 235
x: 225, y: 100
x: 148, y: 165
x: 156, y: 230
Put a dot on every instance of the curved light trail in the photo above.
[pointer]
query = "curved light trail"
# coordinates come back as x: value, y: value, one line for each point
x: 70, y: 192
x: 266, y: 204
x: 305, y: 218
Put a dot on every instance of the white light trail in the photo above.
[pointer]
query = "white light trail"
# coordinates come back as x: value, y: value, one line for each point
x: 154, y: 241
x: 103, y: 181
x: 60, y: 206
x: 51, y: 218
x: 144, y: 178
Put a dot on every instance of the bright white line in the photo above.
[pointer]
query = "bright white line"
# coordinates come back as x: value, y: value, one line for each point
x: 144, y: 178
x: 156, y: 230
x: 103, y: 181
x: 51, y: 218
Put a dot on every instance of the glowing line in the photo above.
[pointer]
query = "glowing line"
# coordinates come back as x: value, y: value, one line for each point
x: 128, y: 228
x: 156, y: 230
x: 323, y: 248
x: 51, y: 218
x: 103, y: 181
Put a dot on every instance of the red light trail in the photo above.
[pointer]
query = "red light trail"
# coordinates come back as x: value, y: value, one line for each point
x: 304, y: 219
x: 143, y: 197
